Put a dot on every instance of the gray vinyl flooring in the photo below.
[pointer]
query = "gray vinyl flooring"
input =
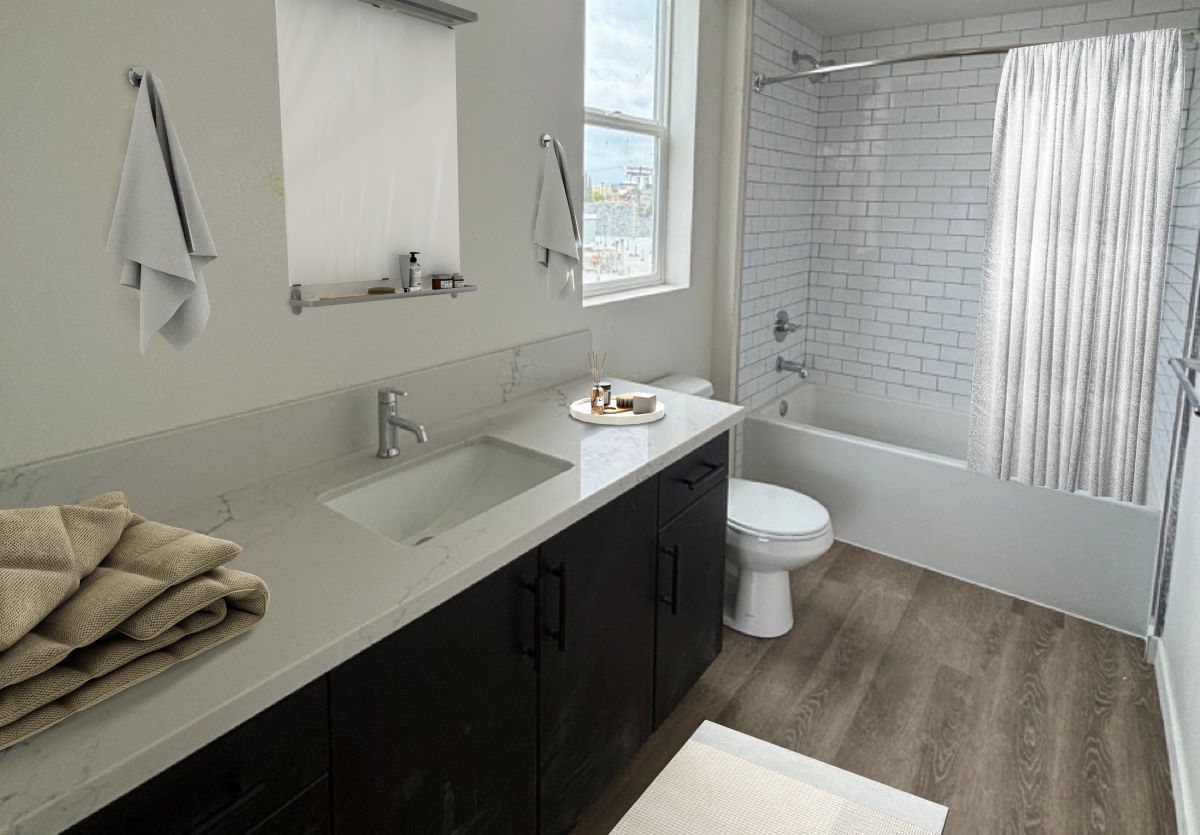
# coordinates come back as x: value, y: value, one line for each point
x: 1017, y: 718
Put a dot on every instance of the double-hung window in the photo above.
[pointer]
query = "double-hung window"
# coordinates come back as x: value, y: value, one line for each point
x: 625, y: 144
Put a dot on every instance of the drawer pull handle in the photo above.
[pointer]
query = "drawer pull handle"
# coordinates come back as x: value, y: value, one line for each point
x: 712, y: 472
x: 560, y: 634
x: 672, y: 599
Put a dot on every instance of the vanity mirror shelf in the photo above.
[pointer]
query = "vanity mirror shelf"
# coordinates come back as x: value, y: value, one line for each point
x: 298, y: 302
x: 435, y: 11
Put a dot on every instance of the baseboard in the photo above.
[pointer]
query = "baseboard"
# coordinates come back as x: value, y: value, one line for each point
x: 972, y: 582
x: 1181, y: 785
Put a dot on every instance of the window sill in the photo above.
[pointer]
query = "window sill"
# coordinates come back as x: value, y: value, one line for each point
x: 629, y: 295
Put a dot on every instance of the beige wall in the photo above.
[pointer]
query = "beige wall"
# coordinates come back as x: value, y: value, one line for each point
x: 71, y: 376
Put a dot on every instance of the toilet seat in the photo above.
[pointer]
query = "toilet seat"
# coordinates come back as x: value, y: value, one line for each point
x: 768, y: 511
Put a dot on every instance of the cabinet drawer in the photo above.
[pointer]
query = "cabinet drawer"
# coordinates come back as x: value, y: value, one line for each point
x: 236, y: 782
x: 691, y: 477
x: 307, y: 813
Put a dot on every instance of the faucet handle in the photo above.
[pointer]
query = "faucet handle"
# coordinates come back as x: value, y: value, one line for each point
x: 389, y: 395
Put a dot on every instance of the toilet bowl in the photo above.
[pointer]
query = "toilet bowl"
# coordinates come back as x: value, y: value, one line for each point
x: 770, y: 531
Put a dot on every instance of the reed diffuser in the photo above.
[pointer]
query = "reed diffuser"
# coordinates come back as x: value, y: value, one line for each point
x: 596, y: 365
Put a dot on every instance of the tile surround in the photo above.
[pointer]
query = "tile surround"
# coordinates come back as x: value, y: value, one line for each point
x: 867, y: 202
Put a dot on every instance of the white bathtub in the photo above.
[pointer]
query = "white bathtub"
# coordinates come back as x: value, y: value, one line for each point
x: 893, y: 478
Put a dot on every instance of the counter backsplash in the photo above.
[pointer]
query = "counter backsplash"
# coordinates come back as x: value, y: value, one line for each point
x: 168, y: 469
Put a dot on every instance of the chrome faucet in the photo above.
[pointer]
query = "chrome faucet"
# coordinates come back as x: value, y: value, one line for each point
x: 390, y: 421
x: 782, y: 365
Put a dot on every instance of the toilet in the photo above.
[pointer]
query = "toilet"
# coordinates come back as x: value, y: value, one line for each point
x: 769, y: 532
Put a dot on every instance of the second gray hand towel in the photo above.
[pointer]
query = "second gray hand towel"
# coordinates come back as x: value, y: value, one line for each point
x: 158, y: 226
x: 556, y: 228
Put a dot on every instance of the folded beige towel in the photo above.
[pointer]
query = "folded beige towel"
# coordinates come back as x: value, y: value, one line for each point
x: 159, y: 595
x: 46, y: 551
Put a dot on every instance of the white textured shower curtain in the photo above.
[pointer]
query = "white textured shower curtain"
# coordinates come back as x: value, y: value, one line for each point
x: 1083, y: 168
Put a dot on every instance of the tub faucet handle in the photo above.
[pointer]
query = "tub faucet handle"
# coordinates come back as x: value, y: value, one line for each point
x: 783, y: 326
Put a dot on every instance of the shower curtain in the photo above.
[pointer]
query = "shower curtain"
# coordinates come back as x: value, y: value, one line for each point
x: 1083, y: 168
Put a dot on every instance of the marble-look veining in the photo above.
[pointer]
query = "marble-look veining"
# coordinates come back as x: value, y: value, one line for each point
x: 336, y: 587
x: 267, y: 442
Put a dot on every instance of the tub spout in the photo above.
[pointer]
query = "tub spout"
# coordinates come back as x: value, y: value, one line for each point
x: 788, y: 366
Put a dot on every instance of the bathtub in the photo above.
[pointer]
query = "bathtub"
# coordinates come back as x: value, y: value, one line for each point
x: 893, y: 477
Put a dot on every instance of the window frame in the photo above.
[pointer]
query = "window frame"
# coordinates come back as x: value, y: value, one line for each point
x: 658, y: 129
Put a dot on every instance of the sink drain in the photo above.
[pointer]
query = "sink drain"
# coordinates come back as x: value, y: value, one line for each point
x: 783, y: 408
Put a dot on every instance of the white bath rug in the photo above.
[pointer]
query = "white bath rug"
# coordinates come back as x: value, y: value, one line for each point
x: 725, y: 782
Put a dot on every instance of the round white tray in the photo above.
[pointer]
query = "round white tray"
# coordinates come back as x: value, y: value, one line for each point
x: 582, y: 410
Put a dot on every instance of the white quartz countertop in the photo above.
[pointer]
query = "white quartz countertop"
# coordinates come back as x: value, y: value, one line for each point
x: 336, y: 588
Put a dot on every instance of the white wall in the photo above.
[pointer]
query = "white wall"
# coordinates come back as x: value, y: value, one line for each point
x: 1178, y: 663
x: 71, y: 376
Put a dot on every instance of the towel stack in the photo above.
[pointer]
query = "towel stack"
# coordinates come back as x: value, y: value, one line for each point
x: 94, y: 599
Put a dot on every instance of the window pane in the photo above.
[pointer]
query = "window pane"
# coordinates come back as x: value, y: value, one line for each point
x: 622, y: 56
x: 619, y: 204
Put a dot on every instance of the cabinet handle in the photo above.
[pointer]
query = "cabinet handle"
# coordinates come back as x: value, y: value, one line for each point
x: 560, y: 634
x: 535, y: 588
x: 672, y: 600
x: 712, y: 472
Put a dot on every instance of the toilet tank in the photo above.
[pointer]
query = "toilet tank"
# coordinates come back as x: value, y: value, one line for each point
x: 684, y: 384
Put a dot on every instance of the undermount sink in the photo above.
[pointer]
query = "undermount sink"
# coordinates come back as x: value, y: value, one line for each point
x: 415, y: 502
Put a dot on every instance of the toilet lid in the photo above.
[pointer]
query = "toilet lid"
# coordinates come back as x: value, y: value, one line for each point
x: 755, y: 507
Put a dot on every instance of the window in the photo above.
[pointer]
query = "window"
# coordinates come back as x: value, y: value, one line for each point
x: 625, y: 144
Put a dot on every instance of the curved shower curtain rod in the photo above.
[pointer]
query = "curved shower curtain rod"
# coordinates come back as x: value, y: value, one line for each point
x: 819, y: 72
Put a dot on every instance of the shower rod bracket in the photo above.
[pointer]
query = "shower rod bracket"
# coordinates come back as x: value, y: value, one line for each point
x: 798, y: 58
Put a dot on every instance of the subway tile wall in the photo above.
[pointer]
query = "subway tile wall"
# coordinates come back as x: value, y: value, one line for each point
x: 781, y: 169
x: 895, y: 195
x: 1181, y: 263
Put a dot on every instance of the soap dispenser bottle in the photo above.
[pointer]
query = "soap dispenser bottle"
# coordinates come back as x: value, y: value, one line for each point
x: 414, y: 273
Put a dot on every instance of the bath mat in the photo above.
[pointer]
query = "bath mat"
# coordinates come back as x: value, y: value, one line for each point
x: 161, y: 595
x: 726, y: 782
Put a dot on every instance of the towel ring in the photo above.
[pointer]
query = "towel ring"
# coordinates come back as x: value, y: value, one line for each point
x: 135, y: 75
x: 545, y: 140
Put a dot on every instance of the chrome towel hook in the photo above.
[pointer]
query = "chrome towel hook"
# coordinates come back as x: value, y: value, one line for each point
x: 546, y: 140
x: 135, y: 76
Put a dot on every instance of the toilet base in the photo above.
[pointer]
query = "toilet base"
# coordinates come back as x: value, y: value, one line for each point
x: 762, y: 607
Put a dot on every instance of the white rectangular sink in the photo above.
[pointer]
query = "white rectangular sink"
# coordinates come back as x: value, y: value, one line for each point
x: 415, y: 502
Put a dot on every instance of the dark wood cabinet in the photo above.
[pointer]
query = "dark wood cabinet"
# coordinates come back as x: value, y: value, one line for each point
x: 597, y: 662
x: 507, y: 709
x: 693, y: 475
x: 691, y: 587
x: 434, y: 729
x: 237, y: 782
x: 305, y: 814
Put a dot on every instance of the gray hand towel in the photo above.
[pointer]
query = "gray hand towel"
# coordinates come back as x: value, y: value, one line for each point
x: 556, y: 228
x: 158, y: 225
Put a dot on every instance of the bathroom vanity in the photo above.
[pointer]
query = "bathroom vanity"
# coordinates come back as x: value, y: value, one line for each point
x: 512, y: 704
x: 439, y: 647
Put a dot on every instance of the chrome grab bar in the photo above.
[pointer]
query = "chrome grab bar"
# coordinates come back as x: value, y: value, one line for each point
x: 1183, y: 369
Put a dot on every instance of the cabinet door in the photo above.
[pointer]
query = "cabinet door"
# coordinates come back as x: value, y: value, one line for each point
x: 434, y: 729
x: 236, y: 782
x: 691, y: 587
x: 597, y: 653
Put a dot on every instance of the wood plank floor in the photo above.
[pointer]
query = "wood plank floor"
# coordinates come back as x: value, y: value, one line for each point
x: 1017, y: 718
